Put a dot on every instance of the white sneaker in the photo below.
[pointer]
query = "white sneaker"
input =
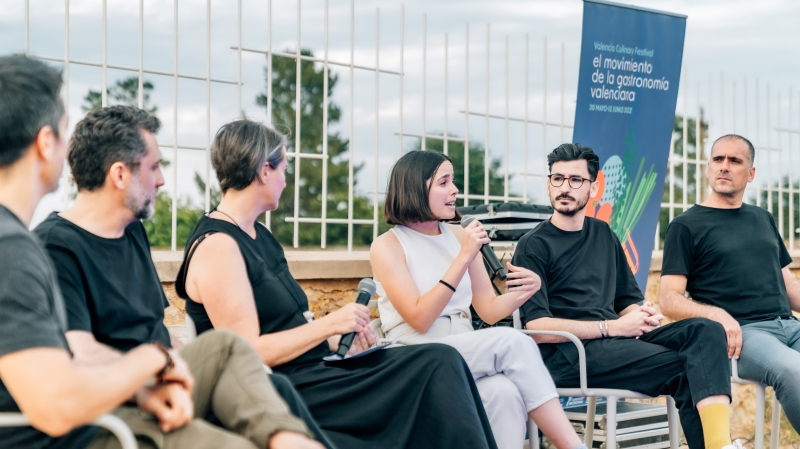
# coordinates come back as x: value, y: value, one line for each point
x: 735, y: 445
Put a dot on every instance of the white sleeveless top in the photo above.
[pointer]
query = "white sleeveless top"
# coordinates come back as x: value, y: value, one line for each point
x: 428, y: 257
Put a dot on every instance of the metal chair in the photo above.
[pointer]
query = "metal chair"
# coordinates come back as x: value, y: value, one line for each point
x: 760, y: 409
x: 109, y: 422
x: 611, y: 395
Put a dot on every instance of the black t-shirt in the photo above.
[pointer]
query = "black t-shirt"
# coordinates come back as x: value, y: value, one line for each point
x: 732, y: 259
x: 585, y: 274
x: 31, y: 316
x: 110, y: 286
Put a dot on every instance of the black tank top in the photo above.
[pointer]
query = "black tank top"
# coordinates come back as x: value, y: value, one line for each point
x: 280, y: 302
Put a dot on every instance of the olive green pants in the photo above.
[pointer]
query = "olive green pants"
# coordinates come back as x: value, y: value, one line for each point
x: 229, y: 382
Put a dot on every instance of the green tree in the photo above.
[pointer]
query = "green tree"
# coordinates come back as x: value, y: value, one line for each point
x: 284, y: 89
x: 124, y: 92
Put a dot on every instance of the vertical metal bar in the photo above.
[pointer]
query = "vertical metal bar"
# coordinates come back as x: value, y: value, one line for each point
x: 66, y: 172
x: 544, y: 104
x: 402, y: 74
x: 104, y: 93
x: 698, y: 144
x: 466, y: 115
x: 685, y: 159
x: 239, y: 112
x: 268, y: 215
x: 791, y: 200
x: 174, y: 242
x: 444, y: 133
x: 769, y: 152
x: 525, y: 133
x: 350, y: 180
x: 298, y: 89
x: 704, y: 191
x: 377, y: 128
x: 269, y: 68
x: 671, y: 180
x: 657, y: 242
x: 424, y: 76
x: 208, y: 108
x: 710, y: 104
x: 758, y: 140
x: 140, y: 92
x: 505, y: 174
x: 324, y: 224
x: 562, y: 95
x: 780, y: 161
x: 486, y: 160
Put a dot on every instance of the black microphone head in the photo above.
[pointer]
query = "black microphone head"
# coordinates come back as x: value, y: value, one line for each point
x: 367, y: 285
x: 466, y: 220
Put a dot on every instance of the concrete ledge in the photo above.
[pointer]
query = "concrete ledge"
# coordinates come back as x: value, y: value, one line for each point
x: 302, y: 264
x: 306, y: 265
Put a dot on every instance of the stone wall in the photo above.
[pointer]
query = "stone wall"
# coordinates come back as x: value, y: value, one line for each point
x: 330, y: 279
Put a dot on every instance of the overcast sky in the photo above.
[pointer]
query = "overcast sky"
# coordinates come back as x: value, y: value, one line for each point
x: 742, y: 39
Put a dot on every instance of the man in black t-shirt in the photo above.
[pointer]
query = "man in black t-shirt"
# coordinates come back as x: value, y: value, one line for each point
x: 38, y: 375
x: 588, y: 289
x: 114, y: 298
x: 731, y: 259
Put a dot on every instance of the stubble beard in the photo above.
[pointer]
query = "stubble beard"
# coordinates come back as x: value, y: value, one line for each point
x: 141, y: 204
x: 567, y: 211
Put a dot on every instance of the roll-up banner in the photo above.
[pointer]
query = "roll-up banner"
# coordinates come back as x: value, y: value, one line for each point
x: 627, y: 90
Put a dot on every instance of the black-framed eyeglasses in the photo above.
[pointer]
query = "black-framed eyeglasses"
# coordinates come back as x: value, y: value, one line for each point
x: 574, y: 181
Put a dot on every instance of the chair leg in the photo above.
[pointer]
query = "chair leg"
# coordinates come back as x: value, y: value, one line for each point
x: 760, y: 410
x: 674, y: 423
x: 588, y: 431
x: 611, y: 422
x: 533, y: 434
x: 774, y: 439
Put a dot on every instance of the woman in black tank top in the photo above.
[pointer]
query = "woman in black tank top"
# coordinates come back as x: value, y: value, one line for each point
x: 234, y: 276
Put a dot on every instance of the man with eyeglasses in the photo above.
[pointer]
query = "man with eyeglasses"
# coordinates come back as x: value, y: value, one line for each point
x: 588, y: 289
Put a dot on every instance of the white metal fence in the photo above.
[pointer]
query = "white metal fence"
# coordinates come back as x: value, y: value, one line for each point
x: 765, y: 116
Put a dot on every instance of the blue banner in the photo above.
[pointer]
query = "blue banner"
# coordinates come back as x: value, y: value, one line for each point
x: 627, y: 90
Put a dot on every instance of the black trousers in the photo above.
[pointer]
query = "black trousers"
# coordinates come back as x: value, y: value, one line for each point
x: 687, y: 360
x: 298, y: 407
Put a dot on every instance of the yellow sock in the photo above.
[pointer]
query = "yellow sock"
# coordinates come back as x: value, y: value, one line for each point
x: 716, y: 425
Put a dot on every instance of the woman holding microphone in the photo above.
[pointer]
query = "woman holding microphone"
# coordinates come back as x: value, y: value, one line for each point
x: 429, y: 272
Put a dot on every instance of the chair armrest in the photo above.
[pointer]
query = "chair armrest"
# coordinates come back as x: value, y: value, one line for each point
x: 735, y: 371
x: 581, y: 354
x: 109, y: 422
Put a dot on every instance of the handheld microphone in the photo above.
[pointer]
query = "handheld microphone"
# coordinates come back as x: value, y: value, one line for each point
x: 366, y: 288
x: 489, y: 257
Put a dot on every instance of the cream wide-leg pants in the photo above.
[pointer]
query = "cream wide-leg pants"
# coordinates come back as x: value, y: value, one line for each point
x: 505, y: 364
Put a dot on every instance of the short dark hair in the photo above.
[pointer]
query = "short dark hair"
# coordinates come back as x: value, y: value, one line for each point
x: 574, y: 152
x: 240, y: 148
x: 407, y: 193
x: 106, y: 136
x: 743, y: 139
x: 29, y: 101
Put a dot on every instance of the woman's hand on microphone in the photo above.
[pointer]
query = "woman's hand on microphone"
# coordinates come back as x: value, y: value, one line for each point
x: 350, y: 318
x: 363, y: 341
x: 474, y: 238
